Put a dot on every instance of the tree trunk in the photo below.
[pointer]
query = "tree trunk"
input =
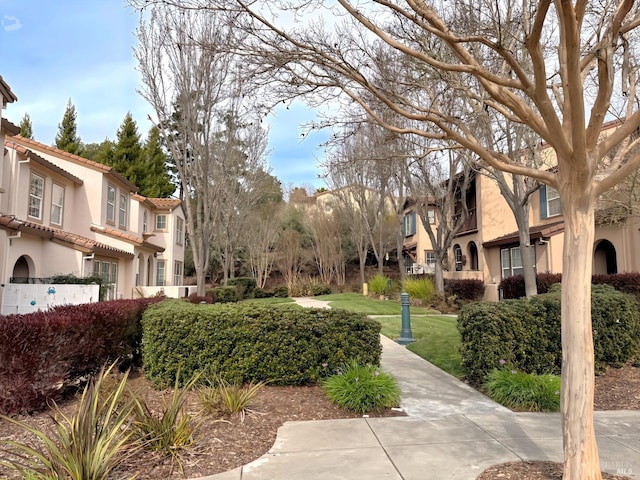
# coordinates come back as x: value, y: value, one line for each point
x: 439, y: 276
x: 578, y: 382
x: 526, y: 253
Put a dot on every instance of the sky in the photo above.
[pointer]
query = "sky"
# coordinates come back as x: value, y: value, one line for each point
x: 55, y: 50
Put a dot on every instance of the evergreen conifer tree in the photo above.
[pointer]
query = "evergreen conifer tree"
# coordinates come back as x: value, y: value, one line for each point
x: 127, y: 155
x: 67, y: 138
x: 157, y: 181
x: 26, y: 128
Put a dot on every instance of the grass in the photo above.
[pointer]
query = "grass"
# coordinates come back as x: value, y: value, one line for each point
x: 524, y: 392
x: 269, y: 300
x: 437, y: 340
x: 362, y: 388
x: 356, y: 302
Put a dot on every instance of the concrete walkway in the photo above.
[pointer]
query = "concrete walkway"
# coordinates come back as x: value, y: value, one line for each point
x: 452, y: 432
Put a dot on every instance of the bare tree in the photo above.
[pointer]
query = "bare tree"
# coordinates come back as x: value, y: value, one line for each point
x: 328, y: 251
x: 565, y: 99
x: 260, y: 241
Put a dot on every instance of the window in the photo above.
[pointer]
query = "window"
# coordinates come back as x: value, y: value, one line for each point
x: 111, y: 203
x: 429, y: 258
x: 160, y: 273
x: 431, y: 214
x: 144, y: 221
x: 108, y: 272
x: 409, y: 224
x: 177, y: 273
x: 457, y: 255
x: 122, y: 211
x: 161, y: 222
x: 550, y: 204
x: 511, y: 259
x: 57, y: 204
x: 179, y: 231
x: 36, y: 192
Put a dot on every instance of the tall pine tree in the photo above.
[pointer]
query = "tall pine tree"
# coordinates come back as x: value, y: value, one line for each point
x: 156, y: 181
x: 127, y: 155
x: 26, y: 128
x: 67, y: 137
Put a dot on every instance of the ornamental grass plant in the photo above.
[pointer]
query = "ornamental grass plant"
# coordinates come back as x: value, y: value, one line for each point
x: 362, y: 388
x: 87, y: 445
x: 524, y: 391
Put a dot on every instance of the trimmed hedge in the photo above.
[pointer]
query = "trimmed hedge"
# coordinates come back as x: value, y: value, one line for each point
x: 245, y: 286
x: 282, y: 344
x: 43, y: 353
x: 464, y: 289
x: 525, y: 333
x: 225, y: 294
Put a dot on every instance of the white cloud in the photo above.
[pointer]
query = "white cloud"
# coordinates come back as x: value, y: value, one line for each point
x: 11, y: 23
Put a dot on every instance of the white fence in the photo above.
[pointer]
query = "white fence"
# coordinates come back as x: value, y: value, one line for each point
x: 27, y: 298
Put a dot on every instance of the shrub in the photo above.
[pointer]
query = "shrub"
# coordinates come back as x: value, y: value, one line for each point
x: 282, y: 344
x: 308, y: 287
x: 86, y: 445
x: 378, y: 284
x: 226, y: 294
x: 524, y: 391
x: 245, y: 286
x: 464, y: 289
x: 362, y: 388
x: 526, y: 333
x: 281, y: 292
x: 59, y: 348
x: 418, y: 288
x: 261, y: 293
x: 195, y: 298
x: 321, y: 290
x: 229, y: 398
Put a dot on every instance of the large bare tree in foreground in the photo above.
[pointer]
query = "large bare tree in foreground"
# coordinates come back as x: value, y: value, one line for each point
x: 572, y: 66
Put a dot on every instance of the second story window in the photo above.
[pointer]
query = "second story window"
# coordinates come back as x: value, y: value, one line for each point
x: 145, y: 220
x: 111, y: 203
x: 57, y: 204
x: 122, y: 211
x: 457, y: 254
x: 431, y: 214
x: 409, y: 224
x: 179, y: 231
x: 161, y: 222
x: 36, y: 192
x: 550, y: 204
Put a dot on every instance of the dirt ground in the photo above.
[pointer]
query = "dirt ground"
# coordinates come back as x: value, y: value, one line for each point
x: 224, y: 443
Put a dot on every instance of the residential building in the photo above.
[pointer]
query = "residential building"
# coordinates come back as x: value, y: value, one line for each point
x: 61, y: 214
x: 487, y: 248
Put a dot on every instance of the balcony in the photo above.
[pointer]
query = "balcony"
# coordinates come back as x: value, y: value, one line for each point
x: 470, y: 224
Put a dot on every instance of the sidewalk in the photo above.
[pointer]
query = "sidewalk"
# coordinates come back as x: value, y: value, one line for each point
x: 452, y: 432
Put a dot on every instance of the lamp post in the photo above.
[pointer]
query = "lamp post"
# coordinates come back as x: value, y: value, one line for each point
x: 405, y: 334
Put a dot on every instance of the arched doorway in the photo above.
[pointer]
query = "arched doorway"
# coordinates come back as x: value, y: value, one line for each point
x: 473, y: 256
x: 149, y: 271
x: 21, y: 270
x: 604, y: 258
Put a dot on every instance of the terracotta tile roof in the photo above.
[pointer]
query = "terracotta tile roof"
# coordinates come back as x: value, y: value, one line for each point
x: 42, y: 161
x: 9, y: 127
x: 165, y: 203
x: 78, y: 242
x: 32, y: 144
x: 539, y: 231
x: 137, y: 241
x: 7, y: 95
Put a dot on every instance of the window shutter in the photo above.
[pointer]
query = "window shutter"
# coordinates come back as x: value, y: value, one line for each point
x: 543, y: 202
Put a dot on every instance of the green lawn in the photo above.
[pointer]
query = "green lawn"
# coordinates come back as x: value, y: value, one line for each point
x: 437, y: 340
x: 269, y: 300
x: 369, y: 306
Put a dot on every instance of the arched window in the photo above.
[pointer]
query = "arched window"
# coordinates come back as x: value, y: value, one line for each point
x: 457, y: 255
x: 604, y: 258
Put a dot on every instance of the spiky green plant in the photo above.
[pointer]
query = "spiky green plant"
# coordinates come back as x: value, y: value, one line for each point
x: 419, y: 288
x: 172, y: 430
x: 378, y: 284
x: 229, y: 398
x: 362, y: 388
x: 84, y: 446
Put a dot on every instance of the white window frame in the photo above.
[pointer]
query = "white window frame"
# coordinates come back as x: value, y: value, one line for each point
x: 57, y: 209
x: 554, y: 206
x: 158, y: 217
x: 431, y: 215
x: 161, y: 272
x: 123, y: 208
x: 409, y: 224
x: 36, y: 196
x: 511, y: 261
x: 179, y: 231
x: 145, y: 221
x: 429, y: 257
x: 177, y: 273
x: 111, y: 203
x: 457, y: 256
